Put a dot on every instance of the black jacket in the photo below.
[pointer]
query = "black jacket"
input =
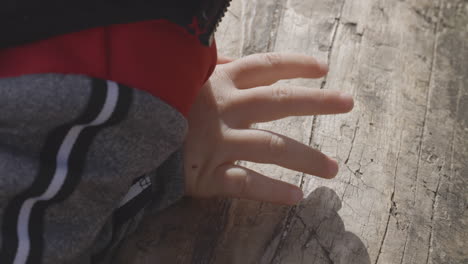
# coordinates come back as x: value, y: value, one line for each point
x: 24, y: 21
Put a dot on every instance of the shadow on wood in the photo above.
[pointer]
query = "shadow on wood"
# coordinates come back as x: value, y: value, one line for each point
x: 318, y: 233
x: 190, y: 232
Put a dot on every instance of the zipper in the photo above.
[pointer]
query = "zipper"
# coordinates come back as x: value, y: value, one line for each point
x: 211, y: 14
x: 220, y: 15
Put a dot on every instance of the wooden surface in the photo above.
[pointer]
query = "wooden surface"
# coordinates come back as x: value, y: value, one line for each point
x: 401, y: 194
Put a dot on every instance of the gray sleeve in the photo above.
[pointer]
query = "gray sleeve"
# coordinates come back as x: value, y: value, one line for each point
x: 168, y: 182
x: 81, y: 159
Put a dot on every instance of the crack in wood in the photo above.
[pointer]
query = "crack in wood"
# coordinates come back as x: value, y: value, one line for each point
x: 391, y: 199
x: 428, y: 97
x: 233, y: 14
x: 313, y: 128
x: 367, y: 220
x: 292, y: 211
x: 352, y: 141
x: 312, y: 131
x: 350, y: 207
x: 332, y: 43
x: 404, y: 249
x: 278, y: 14
x: 206, y: 246
x: 385, y: 235
x: 285, y: 231
x: 346, y: 188
x: 301, y: 220
x: 431, y: 234
x: 452, y: 150
x: 354, y: 28
x: 329, y: 55
x: 258, y: 212
x: 428, y: 18
x: 313, y: 235
x: 361, y: 181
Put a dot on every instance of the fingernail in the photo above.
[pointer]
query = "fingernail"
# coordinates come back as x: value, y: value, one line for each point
x: 347, y: 102
x: 323, y: 67
x: 297, y: 195
x: 333, y: 168
x: 346, y: 96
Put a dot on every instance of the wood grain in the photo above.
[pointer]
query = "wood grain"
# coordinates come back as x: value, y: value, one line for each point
x: 401, y: 194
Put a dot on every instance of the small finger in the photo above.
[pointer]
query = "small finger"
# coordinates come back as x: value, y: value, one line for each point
x: 268, y: 147
x: 269, y: 103
x: 240, y: 182
x: 268, y: 68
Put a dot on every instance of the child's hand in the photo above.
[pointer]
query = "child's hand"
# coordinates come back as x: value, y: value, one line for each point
x: 238, y: 95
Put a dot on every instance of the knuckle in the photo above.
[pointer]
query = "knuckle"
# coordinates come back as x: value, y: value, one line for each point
x: 276, y: 146
x: 223, y: 73
x: 236, y: 182
x: 243, y: 185
x: 322, y: 95
x: 281, y: 93
x: 273, y: 59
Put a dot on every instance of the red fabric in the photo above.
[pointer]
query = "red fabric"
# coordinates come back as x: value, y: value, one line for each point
x: 156, y: 56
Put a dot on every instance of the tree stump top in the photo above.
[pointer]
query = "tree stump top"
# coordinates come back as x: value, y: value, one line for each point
x: 401, y: 194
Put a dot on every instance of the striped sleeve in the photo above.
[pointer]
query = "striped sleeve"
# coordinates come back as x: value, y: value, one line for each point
x: 79, y: 166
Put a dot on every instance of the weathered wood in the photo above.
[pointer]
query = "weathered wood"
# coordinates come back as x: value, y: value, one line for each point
x: 401, y: 195
x: 444, y: 156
